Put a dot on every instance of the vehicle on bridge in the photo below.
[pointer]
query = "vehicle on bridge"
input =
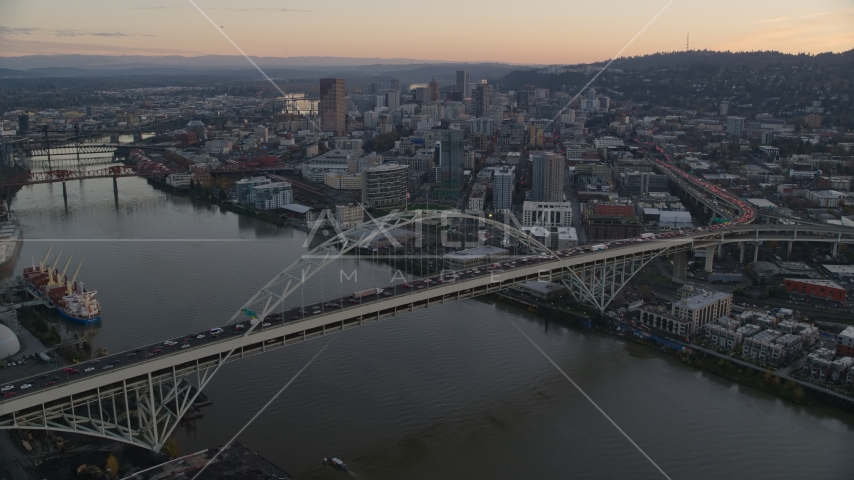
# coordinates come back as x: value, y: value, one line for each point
x: 366, y: 293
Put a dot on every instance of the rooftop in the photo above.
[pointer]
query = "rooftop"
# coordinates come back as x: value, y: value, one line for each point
x: 478, y: 252
x: 702, y: 300
x: 762, y: 203
x: 543, y: 287
x: 817, y: 282
x: 845, y: 270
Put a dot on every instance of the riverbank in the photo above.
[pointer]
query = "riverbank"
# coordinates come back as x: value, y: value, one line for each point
x: 766, y: 381
x: 776, y: 383
x: 210, y: 196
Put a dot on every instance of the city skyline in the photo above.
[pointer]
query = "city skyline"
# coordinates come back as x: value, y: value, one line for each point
x: 570, y: 33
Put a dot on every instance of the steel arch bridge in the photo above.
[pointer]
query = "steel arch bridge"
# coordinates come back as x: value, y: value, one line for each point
x: 142, y: 402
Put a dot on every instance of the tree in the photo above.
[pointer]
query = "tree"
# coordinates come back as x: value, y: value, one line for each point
x: 112, y: 464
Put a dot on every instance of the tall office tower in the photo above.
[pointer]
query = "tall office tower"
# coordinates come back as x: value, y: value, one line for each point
x: 374, y: 88
x: 452, y: 149
x: 463, y: 83
x: 591, y: 94
x: 482, y: 97
x: 547, y: 177
x: 434, y: 90
x: 522, y: 99
x: 395, y: 85
x: 502, y: 189
x: 735, y: 126
x: 23, y: 124
x: 392, y: 99
x: 331, y: 106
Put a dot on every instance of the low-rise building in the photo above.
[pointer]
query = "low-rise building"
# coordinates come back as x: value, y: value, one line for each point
x: 763, y: 347
x: 839, y: 369
x: 845, y: 342
x: 180, y: 181
x: 476, y: 200
x: 660, y: 318
x: 272, y: 196
x: 703, y: 308
x: 474, y: 257
x: 555, y: 238
x: 547, y: 214
x: 689, y: 314
x: 808, y: 333
x: 825, y: 198
x: 722, y: 336
x: 542, y: 290
x: 349, y: 216
x: 343, y: 181
x: 816, y: 288
x: 244, y: 188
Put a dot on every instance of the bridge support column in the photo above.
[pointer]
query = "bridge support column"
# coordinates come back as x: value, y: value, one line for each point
x: 116, y: 190
x: 789, y: 250
x: 680, y: 267
x: 64, y: 196
x: 721, y: 252
x: 756, y: 252
x: 710, y: 258
x: 834, y: 249
x: 741, y: 248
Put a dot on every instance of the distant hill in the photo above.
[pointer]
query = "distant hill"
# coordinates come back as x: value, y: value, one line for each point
x: 522, y: 77
x: 724, y: 59
x: 216, y: 61
x: 9, y: 73
x: 236, y: 67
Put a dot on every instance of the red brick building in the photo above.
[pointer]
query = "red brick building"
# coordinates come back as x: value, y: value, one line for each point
x: 815, y: 288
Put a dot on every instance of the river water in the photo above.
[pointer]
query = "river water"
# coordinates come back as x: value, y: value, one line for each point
x: 450, y: 392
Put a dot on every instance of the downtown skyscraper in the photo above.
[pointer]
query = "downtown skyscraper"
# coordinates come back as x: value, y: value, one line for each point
x: 452, y: 158
x: 548, y: 177
x: 331, y: 107
x: 482, y: 99
x: 462, y: 85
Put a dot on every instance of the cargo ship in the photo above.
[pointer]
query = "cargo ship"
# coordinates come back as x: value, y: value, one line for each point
x: 11, y: 237
x: 70, y: 299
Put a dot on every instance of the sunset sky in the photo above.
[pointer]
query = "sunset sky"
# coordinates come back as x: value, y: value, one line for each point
x: 541, y: 32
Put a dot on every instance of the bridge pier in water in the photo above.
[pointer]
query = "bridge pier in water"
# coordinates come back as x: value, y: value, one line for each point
x: 116, y: 190
x: 64, y: 196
